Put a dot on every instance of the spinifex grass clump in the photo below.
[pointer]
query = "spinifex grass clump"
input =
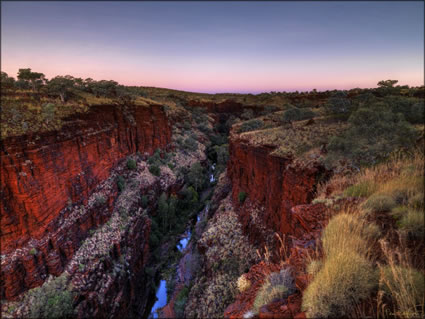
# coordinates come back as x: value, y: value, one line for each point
x: 348, y: 232
x: 278, y: 285
x: 344, y: 280
x: 346, y: 276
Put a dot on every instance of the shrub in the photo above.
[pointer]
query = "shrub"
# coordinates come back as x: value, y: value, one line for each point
x: 154, y: 170
x: 372, y: 134
x: 120, y: 183
x: 131, y: 164
x: 180, y: 302
x: 343, y: 281
x: 379, y: 203
x: 296, y: 114
x: 251, y: 125
x: 100, y: 199
x: 413, y: 223
x: 52, y: 300
x: 338, y: 104
x: 190, y: 144
x: 277, y: 286
x: 33, y: 251
x: 145, y: 201
x: 314, y: 267
x: 362, y: 189
x: 417, y: 201
x: 243, y: 283
x: 242, y: 196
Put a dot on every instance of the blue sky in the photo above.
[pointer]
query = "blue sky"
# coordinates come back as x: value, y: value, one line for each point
x: 219, y: 46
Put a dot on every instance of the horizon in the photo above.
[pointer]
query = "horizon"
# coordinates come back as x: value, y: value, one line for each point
x: 219, y: 47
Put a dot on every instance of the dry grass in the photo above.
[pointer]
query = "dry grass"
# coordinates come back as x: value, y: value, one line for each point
x: 400, y: 172
x: 402, y: 284
x: 278, y: 285
x: 344, y: 280
x: 243, y: 283
x: 347, y: 231
x: 392, y: 189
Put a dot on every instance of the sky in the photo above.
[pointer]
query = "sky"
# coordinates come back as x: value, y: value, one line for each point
x: 213, y: 46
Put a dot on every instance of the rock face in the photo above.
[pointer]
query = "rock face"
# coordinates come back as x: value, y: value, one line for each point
x: 44, y: 174
x: 118, y: 286
x: 275, y: 183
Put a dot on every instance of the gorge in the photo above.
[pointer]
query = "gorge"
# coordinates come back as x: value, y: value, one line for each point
x: 172, y: 204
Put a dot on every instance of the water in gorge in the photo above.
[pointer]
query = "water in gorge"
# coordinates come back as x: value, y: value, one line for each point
x: 161, y: 293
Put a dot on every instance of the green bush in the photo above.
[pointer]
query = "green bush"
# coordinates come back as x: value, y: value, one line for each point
x: 251, y: 125
x: 120, y: 183
x: 242, y: 196
x: 338, y: 103
x: 145, y: 201
x: 180, y: 302
x: 52, y: 300
x: 155, y: 170
x: 373, y: 133
x: 131, y: 164
x: 362, y: 189
x: 190, y: 144
x: 278, y: 285
x: 344, y: 280
x: 33, y: 251
x: 379, y: 203
x: 296, y: 114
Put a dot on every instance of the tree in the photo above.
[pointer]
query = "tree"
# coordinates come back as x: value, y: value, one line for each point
x: 34, y: 78
x: 196, y: 176
x: 387, y: 87
x: 163, y: 211
x: 387, y: 83
x: 7, y: 82
x: 61, y: 86
x: 104, y: 88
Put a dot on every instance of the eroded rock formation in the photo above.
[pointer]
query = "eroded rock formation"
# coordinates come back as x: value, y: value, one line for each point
x: 272, y: 184
x: 45, y: 173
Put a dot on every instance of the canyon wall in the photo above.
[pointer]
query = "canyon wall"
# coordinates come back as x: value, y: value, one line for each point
x: 42, y: 173
x: 273, y: 185
x: 46, y: 177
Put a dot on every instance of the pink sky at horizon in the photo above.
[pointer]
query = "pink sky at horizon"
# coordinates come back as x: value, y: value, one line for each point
x: 198, y: 81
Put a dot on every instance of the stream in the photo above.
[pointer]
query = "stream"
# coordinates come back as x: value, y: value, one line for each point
x: 161, y: 293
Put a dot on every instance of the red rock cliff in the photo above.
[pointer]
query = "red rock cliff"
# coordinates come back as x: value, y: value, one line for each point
x: 42, y: 173
x: 274, y: 183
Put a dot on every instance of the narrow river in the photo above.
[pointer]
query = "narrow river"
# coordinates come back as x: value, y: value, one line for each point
x: 161, y: 293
